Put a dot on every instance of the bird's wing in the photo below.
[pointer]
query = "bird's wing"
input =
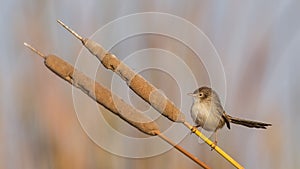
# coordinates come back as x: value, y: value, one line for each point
x: 226, y: 119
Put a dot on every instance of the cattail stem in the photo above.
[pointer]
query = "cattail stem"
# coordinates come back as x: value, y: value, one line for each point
x: 213, y: 145
x: 144, y: 89
x: 35, y: 51
x: 70, y: 30
x: 107, y: 99
x: 179, y: 148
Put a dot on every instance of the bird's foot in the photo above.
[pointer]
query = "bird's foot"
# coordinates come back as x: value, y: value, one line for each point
x: 213, y: 145
x: 194, y: 129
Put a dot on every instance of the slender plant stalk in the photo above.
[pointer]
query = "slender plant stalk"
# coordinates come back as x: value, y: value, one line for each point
x: 182, y: 150
x: 107, y: 99
x: 144, y: 89
x: 213, y: 145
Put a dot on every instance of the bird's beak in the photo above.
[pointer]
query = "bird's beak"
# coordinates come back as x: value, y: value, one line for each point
x: 191, y: 94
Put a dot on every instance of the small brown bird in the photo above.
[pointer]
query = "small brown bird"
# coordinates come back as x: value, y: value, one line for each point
x: 208, y: 113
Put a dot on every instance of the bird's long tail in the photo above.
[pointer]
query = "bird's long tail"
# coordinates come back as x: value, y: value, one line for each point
x: 248, y: 123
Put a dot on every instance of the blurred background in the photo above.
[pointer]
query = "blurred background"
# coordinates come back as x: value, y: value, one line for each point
x: 258, y: 43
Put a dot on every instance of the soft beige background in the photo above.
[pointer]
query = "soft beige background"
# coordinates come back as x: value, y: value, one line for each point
x: 258, y: 42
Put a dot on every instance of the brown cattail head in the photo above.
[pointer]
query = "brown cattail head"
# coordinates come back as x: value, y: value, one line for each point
x: 99, y: 93
x: 136, y: 82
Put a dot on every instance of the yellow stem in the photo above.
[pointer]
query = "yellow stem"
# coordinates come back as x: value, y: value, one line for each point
x: 213, y: 145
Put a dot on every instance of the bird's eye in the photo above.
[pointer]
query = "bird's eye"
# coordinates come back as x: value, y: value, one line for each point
x: 201, y: 95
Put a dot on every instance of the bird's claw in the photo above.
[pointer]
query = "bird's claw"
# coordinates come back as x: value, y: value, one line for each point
x: 213, y: 145
x: 193, y: 129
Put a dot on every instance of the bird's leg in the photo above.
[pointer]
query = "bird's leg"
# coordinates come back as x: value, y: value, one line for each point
x: 193, y: 130
x: 215, y: 142
x: 216, y: 138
